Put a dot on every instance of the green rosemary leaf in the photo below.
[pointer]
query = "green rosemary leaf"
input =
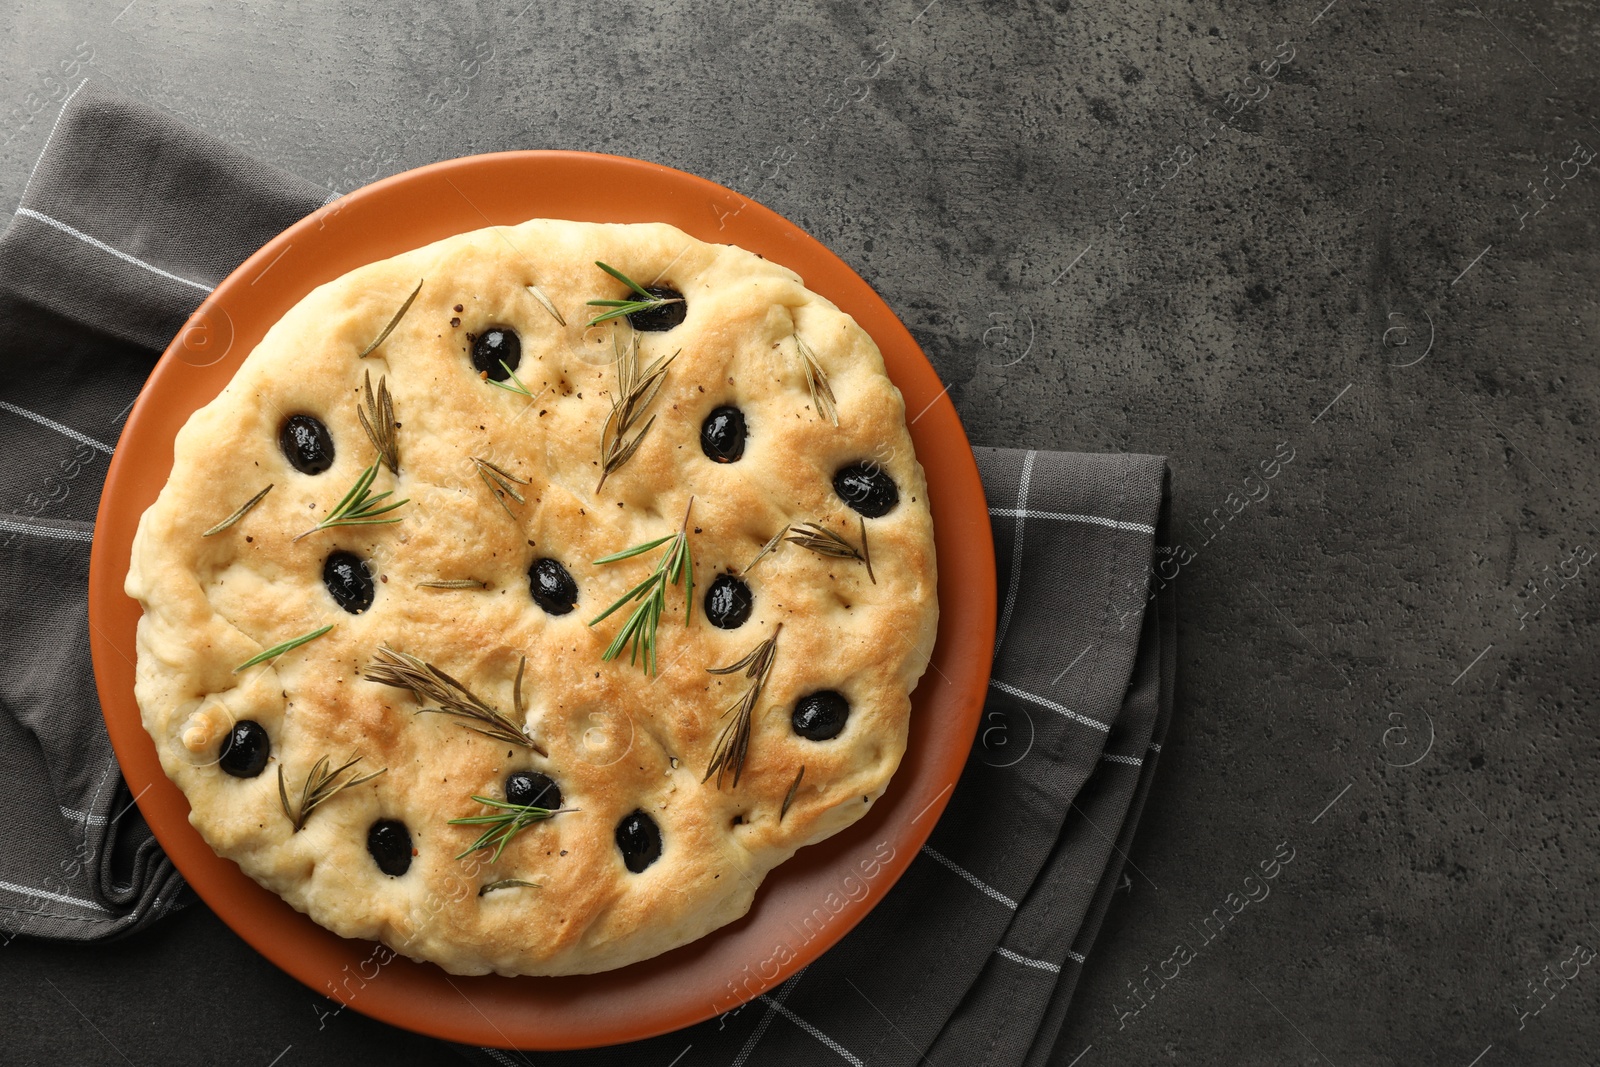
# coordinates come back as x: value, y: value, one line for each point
x: 398, y: 315
x: 454, y: 583
x: 625, y: 280
x: 517, y: 387
x: 321, y: 786
x: 237, y: 515
x: 503, y: 825
x: 638, y: 632
x: 646, y: 301
x: 629, y: 553
x: 277, y: 650
x: 358, y: 507
x: 507, y: 883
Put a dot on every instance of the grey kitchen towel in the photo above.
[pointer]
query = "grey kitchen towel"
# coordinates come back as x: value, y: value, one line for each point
x: 131, y: 217
x: 127, y: 221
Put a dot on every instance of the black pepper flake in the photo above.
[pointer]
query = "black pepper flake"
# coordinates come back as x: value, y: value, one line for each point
x: 460, y: 308
x: 454, y: 321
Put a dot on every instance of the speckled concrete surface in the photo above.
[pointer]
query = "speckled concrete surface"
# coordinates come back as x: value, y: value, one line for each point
x: 1359, y: 235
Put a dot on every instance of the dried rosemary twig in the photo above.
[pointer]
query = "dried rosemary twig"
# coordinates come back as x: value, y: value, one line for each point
x: 788, y: 797
x: 277, y: 650
x: 640, y: 629
x: 429, y: 684
x: 538, y: 294
x: 506, y: 883
x: 381, y: 428
x: 822, y: 400
x: 824, y: 542
x: 398, y: 315
x: 635, y: 390
x: 504, y: 824
x: 502, y: 483
x: 237, y: 515
x: 644, y: 299
x: 359, y: 507
x: 733, y: 744
x: 321, y: 786
x: 770, y: 546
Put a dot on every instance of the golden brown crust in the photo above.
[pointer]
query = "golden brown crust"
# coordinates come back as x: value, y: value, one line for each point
x: 617, y: 738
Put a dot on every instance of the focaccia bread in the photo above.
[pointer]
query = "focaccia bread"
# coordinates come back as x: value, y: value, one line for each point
x: 454, y: 452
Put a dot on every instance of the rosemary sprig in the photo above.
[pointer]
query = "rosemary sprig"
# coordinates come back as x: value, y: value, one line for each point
x: 502, y: 483
x: 640, y: 629
x: 733, y: 744
x: 237, y: 515
x: 538, y: 294
x: 770, y: 546
x: 789, y: 796
x: 321, y: 786
x: 503, y: 825
x: 381, y: 428
x: 429, y: 684
x: 398, y: 315
x: 645, y: 300
x: 822, y: 399
x: 517, y: 385
x: 454, y: 583
x: 277, y: 650
x: 635, y: 390
x: 824, y: 542
x: 359, y: 507
x: 507, y: 883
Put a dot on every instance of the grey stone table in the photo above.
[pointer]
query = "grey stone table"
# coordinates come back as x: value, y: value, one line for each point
x: 1337, y: 261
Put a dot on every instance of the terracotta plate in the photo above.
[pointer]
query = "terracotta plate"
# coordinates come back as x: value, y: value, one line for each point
x: 844, y: 876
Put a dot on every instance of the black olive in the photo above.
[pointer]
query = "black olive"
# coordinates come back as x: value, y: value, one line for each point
x: 722, y: 435
x: 245, y: 749
x: 639, y: 838
x: 662, y: 317
x: 390, y: 844
x: 552, y: 587
x: 499, y: 344
x: 307, y: 444
x: 728, y: 602
x: 348, y: 581
x: 533, y: 790
x: 820, y: 716
x: 868, y: 488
